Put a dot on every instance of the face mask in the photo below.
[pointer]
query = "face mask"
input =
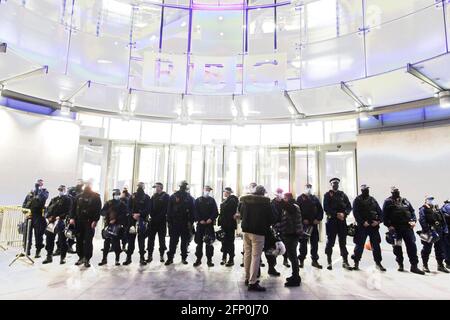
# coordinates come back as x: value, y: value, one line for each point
x: 206, y: 193
x: 431, y: 203
x: 396, y: 194
x: 365, y: 192
x: 252, y: 189
x: 62, y: 193
x: 117, y: 197
x: 308, y: 190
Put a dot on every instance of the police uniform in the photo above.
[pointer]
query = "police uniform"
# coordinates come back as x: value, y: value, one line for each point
x: 59, y: 207
x: 139, y: 203
x: 180, y: 219
x: 334, y: 202
x: 311, y: 210
x: 86, y: 210
x: 205, y: 208
x: 432, y: 220
x: 226, y: 220
x: 446, y: 212
x: 158, y: 223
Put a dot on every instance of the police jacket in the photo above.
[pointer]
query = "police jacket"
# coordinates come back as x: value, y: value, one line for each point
x: 139, y: 203
x: 291, y: 219
x: 398, y: 213
x: 158, y: 207
x: 334, y: 202
x: 35, y: 200
x: 87, y: 206
x: 59, y: 206
x: 228, y: 208
x: 181, y: 208
x: 446, y: 212
x: 257, y: 214
x: 310, y: 207
x: 205, y: 208
x: 114, y: 210
x: 431, y: 218
x: 366, y: 209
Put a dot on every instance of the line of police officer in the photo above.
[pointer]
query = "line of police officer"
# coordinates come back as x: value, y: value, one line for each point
x: 75, y: 215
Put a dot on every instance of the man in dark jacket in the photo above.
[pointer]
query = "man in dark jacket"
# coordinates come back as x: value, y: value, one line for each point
x: 180, y: 220
x: 312, y: 214
x: 115, y: 213
x: 35, y: 201
x: 73, y: 192
x: 257, y: 217
x: 291, y: 228
x: 277, y: 205
x: 85, y: 215
x: 158, y: 222
x: 446, y: 212
x: 137, y: 223
x: 399, y: 217
x: 205, y: 214
x: 227, y: 221
x: 368, y: 217
x: 337, y: 207
x: 57, y: 211
x: 434, y: 225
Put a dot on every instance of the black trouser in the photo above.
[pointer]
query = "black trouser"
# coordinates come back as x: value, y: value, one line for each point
x: 159, y: 228
x: 407, y: 234
x: 228, y: 243
x: 360, y: 239
x: 202, y: 230
x: 447, y: 247
x: 61, y: 243
x: 336, y: 227
x: 115, y: 243
x: 314, y: 242
x: 291, y: 242
x: 177, y: 231
x: 439, y: 250
x: 84, y: 235
x: 38, y: 225
x: 131, y: 239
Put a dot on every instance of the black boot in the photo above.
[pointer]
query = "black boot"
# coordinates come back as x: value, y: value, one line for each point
x: 48, y: 260
x: 301, y: 263
x: 184, y: 261
x: 316, y: 264
x: 161, y: 258
x: 447, y: 264
x: 356, y: 266
x: 256, y: 287
x: 62, y: 260
x: 142, y: 261
x: 400, y: 267
x: 293, y: 282
x: 380, y: 266
x: 345, y: 264
x: 79, y: 262
x: 230, y: 262
x: 273, y: 272
x: 38, y: 254
x: 169, y: 261
x: 150, y: 258
x: 442, y: 268
x: 286, y: 263
x: 87, y: 264
x: 197, y: 262
x: 224, y: 259
x: 127, y: 261
x: 425, y: 267
x: 103, y: 262
x: 210, y: 263
x: 416, y: 270
x: 330, y: 263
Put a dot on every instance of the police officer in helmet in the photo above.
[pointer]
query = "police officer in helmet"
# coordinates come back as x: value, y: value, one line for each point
x: 57, y: 211
x: 85, y: 215
x: 158, y: 224
x: 368, y: 216
x: 115, y: 213
x: 205, y: 214
x: 35, y: 201
x: 227, y: 221
x: 137, y: 223
x: 434, y: 225
x: 337, y: 207
x: 180, y: 219
x: 400, y: 218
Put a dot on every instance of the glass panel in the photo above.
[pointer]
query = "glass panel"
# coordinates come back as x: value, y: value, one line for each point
x: 213, y: 170
x: 248, y: 163
x: 175, y: 30
x: 124, y: 129
x: 187, y: 134
x: 230, y: 178
x: 308, y: 133
x: 341, y: 164
x: 276, y: 134
x: 121, y: 167
x: 265, y: 72
x: 274, y: 169
x: 196, y: 171
x: 156, y: 132
x: 422, y: 37
x: 217, y: 32
x: 153, y: 164
x: 245, y: 135
x: 305, y: 171
x: 215, y: 134
x: 340, y: 130
x: 90, y: 163
x: 261, y: 30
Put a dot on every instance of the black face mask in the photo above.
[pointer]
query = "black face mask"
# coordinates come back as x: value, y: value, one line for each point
x: 396, y: 194
x: 365, y: 192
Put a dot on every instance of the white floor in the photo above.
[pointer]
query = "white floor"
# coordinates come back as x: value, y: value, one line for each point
x: 156, y: 281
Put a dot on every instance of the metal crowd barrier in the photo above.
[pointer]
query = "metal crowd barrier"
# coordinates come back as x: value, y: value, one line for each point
x: 11, y: 217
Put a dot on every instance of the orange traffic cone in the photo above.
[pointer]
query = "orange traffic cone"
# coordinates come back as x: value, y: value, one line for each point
x: 368, y: 246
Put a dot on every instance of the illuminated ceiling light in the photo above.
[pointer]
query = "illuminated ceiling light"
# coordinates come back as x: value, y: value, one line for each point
x: 183, y: 24
x: 153, y: 37
x: 116, y: 43
x: 221, y: 34
x: 220, y: 18
x: 444, y: 99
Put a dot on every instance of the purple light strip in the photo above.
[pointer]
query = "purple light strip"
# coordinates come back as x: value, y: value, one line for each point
x: 220, y: 7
